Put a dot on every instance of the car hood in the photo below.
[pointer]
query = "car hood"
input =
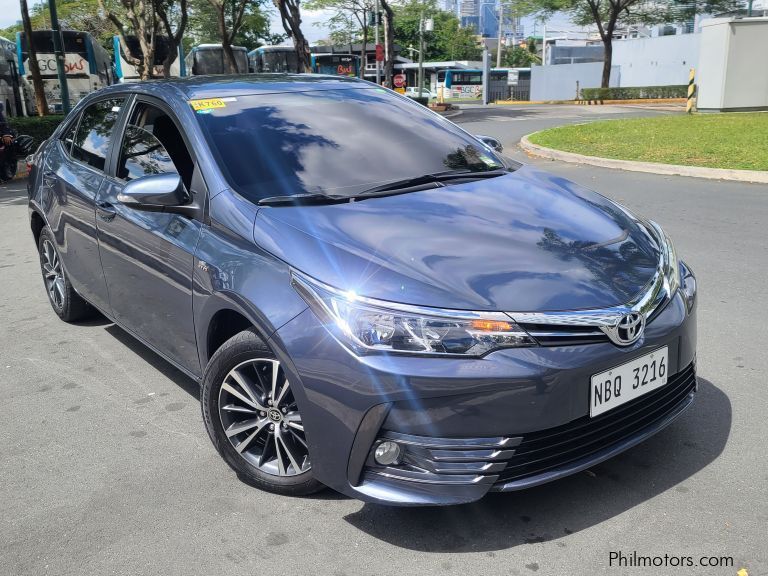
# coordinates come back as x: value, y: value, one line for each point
x: 527, y: 241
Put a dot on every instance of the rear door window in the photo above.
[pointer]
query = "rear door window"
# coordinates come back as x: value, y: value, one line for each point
x: 95, y: 132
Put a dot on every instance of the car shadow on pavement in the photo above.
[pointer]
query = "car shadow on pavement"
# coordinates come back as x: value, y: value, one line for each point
x: 552, y: 511
x: 168, y: 370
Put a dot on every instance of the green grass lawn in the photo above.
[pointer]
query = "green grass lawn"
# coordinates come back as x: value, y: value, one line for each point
x: 713, y: 140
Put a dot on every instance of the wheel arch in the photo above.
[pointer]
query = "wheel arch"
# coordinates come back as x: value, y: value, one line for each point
x: 37, y: 223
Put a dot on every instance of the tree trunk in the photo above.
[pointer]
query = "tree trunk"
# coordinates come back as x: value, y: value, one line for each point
x: 174, y: 38
x: 291, y: 18
x: 607, y: 60
x: 389, y: 43
x: 226, y: 43
x: 34, y: 69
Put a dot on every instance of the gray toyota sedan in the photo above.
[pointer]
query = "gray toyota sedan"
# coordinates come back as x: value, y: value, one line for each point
x: 371, y: 298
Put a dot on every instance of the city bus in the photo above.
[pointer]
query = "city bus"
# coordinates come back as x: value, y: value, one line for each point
x: 209, y: 59
x: 468, y: 83
x: 87, y: 64
x: 336, y: 64
x: 273, y: 59
x: 127, y: 72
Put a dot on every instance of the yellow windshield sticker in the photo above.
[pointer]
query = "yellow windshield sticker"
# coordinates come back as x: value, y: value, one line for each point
x: 208, y: 103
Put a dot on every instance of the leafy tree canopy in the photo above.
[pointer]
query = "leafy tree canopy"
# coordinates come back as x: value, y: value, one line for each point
x: 447, y: 41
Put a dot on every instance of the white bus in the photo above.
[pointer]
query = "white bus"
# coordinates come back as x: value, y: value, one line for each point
x: 209, y: 59
x: 87, y: 65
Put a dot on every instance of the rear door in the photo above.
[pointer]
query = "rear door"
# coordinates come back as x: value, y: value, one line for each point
x: 71, y: 179
x: 148, y: 257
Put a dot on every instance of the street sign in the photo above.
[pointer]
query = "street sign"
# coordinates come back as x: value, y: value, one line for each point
x: 379, y: 53
x: 399, y: 80
x: 512, y: 77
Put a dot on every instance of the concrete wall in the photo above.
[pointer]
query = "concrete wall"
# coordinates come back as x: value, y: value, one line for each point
x: 658, y: 61
x: 558, y: 82
x: 732, y: 71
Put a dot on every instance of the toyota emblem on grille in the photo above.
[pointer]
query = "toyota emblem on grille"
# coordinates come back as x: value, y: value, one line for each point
x: 627, y: 330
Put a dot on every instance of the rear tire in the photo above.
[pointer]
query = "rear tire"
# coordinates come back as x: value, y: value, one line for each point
x: 66, y: 303
x: 253, y: 420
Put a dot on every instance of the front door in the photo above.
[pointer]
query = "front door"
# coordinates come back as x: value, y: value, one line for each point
x: 148, y: 256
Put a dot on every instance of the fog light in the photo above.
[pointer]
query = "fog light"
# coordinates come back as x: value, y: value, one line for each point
x: 387, y: 453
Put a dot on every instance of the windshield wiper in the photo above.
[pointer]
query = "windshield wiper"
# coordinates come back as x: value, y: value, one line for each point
x: 408, y: 184
x: 302, y: 199
x: 387, y: 189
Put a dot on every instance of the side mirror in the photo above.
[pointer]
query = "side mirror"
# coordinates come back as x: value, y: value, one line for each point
x: 491, y: 142
x: 156, y: 193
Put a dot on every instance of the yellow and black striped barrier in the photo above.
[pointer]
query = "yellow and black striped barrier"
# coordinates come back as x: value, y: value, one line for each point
x: 691, y: 102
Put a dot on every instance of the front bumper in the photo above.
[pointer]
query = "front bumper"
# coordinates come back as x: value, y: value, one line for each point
x: 513, y: 419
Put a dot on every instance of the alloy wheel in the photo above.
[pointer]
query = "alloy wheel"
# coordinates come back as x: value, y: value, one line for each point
x: 52, y: 274
x: 261, y: 419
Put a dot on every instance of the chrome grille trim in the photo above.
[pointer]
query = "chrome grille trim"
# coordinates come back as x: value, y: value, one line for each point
x: 561, y: 326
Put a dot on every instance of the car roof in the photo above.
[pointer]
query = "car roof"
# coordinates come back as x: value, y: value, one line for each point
x: 220, y: 86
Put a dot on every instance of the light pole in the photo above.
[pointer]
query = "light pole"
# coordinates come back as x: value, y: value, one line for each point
x: 424, y: 25
x: 58, y: 48
x: 498, y: 44
x: 376, y: 41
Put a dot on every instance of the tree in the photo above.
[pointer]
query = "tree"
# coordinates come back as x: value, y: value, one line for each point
x: 168, y: 11
x: 253, y: 32
x: 350, y: 19
x: 142, y: 21
x: 290, y: 15
x: 229, y: 19
x: 609, y: 15
x: 447, y: 41
x: 34, y: 69
x: 73, y: 15
x: 389, y: 42
x: 517, y: 57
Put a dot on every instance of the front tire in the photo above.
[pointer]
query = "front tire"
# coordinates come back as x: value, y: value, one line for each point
x: 253, y: 420
x: 66, y: 303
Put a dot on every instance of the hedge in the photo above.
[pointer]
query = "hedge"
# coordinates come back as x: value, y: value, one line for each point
x: 39, y: 127
x: 635, y: 92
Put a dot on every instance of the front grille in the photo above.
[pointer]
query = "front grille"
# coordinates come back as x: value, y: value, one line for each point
x: 539, y: 452
x: 559, y: 335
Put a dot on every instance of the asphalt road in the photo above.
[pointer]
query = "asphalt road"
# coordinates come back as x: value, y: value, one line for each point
x: 105, y: 467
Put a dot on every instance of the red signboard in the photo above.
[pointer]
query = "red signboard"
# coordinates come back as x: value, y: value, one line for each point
x: 379, y: 53
x: 399, y: 80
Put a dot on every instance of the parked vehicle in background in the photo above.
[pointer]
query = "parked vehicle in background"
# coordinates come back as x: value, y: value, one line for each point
x: 127, y: 72
x: 273, y: 59
x: 413, y: 92
x: 468, y: 83
x: 336, y: 64
x: 88, y: 66
x: 209, y: 59
x: 371, y: 298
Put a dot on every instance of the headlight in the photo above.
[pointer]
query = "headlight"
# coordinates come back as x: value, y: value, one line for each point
x: 669, y: 258
x: 368, y: 325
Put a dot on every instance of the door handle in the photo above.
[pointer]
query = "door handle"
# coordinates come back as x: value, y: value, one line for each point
x: 106, y: 211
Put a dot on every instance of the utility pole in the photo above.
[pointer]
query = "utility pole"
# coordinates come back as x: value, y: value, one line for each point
x: 376, y: 42
x: 498, y: 44
x: 544, y: 46
x: 421, y: 54
x: 58, y: 48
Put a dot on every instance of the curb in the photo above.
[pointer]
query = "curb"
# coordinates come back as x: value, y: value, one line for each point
x: 634, y: 101
x: 755, y: 176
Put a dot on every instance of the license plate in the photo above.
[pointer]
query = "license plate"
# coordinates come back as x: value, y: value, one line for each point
x: 628, y: 381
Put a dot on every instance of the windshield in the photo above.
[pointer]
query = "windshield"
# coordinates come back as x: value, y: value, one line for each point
x: 333, y: 142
